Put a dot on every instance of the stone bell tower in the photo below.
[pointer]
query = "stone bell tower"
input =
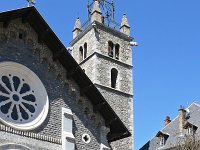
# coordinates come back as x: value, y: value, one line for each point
x: 105, y: 54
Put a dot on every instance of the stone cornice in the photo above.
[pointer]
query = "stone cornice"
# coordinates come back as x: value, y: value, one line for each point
x: 106, y: 57
x: 111, y: 89
x: 101, y: 26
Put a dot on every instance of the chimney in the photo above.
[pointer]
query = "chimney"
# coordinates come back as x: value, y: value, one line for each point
x: 182, y: 119
x: 167, y: 121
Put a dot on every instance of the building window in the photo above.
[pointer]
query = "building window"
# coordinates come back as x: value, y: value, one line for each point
x: 113, y: 50
x: 24, y: 101
x: 85, y: 50
x: 81, y: 53
x: 114, y: 74
x: 190, y: 128
x: 189, y: 131
x: 117, y: 51
x: 110, y: 48
x: 162, y: 140
x: 68, y: 139
x: 86, y: 138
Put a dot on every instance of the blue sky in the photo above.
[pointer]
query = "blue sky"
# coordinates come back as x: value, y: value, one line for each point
x: 166, y: 63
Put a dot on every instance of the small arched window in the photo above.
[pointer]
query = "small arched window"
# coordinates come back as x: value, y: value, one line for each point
x: 85, y: 50
x: 110, y: 48
x: 114, y: 74
x: 117, y: 51
x: 81, y: 53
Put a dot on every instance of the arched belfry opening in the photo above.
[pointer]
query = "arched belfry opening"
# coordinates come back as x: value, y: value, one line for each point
x: 113, y: 50
x: 114, y: 74
x: 110, y: 48
x: 81, y: 53
x: 117, y: 51
x: 85, y: 50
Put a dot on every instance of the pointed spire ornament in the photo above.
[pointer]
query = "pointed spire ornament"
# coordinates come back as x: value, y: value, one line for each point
x: 96, y: 12
x: 77, y: 24
x: 96, y: 7
x: 124, y: 21
x: 31, y: 3
x: 77, y: 28
x: 125, y: 27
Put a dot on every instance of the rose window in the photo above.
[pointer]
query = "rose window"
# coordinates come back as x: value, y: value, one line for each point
x: 23, y: 98
x: 17, y: 100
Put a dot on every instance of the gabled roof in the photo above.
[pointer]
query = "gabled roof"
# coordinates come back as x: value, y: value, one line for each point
x: 172, y: 130
x: 117, y: 129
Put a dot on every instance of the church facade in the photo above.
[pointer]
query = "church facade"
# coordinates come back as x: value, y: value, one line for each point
x: 48, y: 101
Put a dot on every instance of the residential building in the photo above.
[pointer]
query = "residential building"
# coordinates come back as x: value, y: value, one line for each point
x: 179, y: 134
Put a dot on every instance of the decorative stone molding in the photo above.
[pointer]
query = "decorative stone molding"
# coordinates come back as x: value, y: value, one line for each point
x: 111, y: 89
x: 13, y: 146
x: 107, y: 58
x: 86, y: 138
x: 30, y: 134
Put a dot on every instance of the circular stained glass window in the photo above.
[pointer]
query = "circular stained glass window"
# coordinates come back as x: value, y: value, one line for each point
x: 24, y: 101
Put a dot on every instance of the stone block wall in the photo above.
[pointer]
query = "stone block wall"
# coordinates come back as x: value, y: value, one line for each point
x: 103, y: 74
x: 123, y: 106
x: 125, y: 51
x: 91, y: 41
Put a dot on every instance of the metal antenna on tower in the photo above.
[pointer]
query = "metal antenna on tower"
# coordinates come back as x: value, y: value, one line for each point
x: 108, y: 11
x: 31, y: 3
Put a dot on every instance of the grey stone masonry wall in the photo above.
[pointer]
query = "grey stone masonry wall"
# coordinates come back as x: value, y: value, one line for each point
x: 62, y: 92
x: 89, y: 67
x: 123, y: 106
x: 91, y: 45
x: 125, y: 51
x: 103, y: 74
x: 97, y: 41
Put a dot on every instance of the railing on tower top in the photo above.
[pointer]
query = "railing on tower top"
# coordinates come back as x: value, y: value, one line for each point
x: 110, y: 24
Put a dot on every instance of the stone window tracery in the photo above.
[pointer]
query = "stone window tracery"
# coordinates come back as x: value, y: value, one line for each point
x: 16, y: 98
x: 23, y: 98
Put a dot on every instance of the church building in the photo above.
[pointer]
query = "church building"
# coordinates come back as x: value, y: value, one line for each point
x: 52, y: 98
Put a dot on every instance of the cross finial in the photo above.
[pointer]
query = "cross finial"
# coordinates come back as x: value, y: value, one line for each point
x: 31, y: 3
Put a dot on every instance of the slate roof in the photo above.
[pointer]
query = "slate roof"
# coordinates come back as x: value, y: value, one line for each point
x: 172, y: 130
x: 30, y: 14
